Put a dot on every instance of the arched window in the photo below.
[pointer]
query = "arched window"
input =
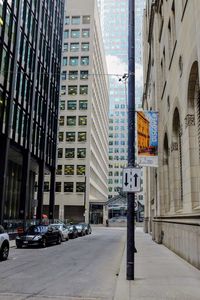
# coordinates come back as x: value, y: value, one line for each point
x: 177, y: 161
x: 166, y: 185
x: 192, y: 121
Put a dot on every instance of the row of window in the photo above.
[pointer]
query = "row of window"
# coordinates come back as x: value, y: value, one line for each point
x: 71, y: 136
x: 72, y: 104
x: 71, y: 120
x: 76, y: 20
x: 118, y: 150
x: 118, y: 143
x: 68, y: 187
x: 69, y: 170
x: 70, y: 153
x: 75, y: 47
x: 73, y: 90
x: 74, y: 60
x: 122, y: 157
x: 111, y: 181
x: 74, y: 75
x: 76, y: 33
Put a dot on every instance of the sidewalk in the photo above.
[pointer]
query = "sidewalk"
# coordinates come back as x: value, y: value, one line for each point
x: 159, y: 274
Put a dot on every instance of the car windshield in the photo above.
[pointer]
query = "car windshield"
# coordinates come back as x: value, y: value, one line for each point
x: 37, y: 229
x: 58, y: 226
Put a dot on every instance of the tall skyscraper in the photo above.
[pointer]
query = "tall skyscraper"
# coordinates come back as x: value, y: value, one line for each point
x: 114, y: 21
x: 82, y: 171
x: 30, y: 55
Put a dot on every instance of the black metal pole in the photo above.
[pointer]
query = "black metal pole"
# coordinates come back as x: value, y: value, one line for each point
x: 131, y: 140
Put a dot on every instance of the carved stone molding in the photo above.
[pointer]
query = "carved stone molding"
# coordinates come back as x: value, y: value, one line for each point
x: 189, y: 120
x: 181, y: 130
x: 174, y: 146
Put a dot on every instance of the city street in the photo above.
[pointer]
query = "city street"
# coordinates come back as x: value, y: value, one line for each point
x: 83, y: 268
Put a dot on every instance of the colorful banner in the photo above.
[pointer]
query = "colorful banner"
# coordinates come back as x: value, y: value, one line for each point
x: 147, y: 138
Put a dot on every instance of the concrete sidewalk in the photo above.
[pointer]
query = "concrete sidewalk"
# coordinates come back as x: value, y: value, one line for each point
x: 159, y: 274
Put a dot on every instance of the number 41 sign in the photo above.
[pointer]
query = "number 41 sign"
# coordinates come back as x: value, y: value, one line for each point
x: 131, y: 180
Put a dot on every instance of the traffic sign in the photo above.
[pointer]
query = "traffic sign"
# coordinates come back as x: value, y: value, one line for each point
x: 131, y: 180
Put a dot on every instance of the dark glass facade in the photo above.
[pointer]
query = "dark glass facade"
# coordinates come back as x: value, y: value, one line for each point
x: 30, y: 59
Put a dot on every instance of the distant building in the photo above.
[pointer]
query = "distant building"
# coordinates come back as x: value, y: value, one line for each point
x: 82, y: 164
x: 30, y: 56
x: 171, y: 87
x: 114, y: 21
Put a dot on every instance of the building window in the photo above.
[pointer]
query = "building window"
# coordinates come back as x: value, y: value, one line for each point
x: 86, y: 19
x: 60, y: 136
x: 67, y: 20
x: 81, y: 153
x: 66, y: 34
x: 68, y: 187
x: 59, y: 170
x: 61, y: 121
x: 71, y: 104
x: 83, y: 90
x: 82, y: 120
x: 65, y: 47
x: 74, y: 47
x: 70, y: 136
x: 80, y: 170
x: 71, y: 121
x: 85, y: 46
x: 69, y: 169
x: 62, y: 105
x: 69, y: 152
x: 75, y: 33
x: 64, y: 61
x: 72, y: 90
x: 80, y: 187
x: 84, y: 75
x: 76, y: 20
x: 84, y: 60
x: 73, y: 61
x: 46, y: 186
x: 73, y: 75
x: 58, y: 187
x: 85, y: 33
x: 63, y: 89
x: 60, y: 152
x: 64, y: 75
x: 83, y: 104
x: 82, y: 136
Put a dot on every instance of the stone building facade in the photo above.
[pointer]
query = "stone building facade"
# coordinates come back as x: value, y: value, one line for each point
x: 171, y: 41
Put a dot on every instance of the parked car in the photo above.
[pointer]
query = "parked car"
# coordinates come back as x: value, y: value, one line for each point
x: 81, y: 229
x: 88, y: 229
x: 73, y: 232
x: 41, y: 235
x: 64, y: 231
x: 4, y: 244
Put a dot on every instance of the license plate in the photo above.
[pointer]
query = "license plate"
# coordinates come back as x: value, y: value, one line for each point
x: 25, y: 242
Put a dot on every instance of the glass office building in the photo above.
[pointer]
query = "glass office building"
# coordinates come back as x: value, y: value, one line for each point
x: 30, y: 56
x: 114, y: 21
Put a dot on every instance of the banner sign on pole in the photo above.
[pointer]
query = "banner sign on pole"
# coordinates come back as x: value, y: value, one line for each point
x: 147, y: 138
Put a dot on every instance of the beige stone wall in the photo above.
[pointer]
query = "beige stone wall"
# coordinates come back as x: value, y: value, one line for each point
x: 171, y: 57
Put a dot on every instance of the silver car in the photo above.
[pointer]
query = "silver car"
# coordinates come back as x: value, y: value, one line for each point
x: 64, y: 231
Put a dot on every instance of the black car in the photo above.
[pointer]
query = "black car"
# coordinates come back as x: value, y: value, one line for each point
x: 87, y: 228
x: 41, y: 235
x: 73, y: 232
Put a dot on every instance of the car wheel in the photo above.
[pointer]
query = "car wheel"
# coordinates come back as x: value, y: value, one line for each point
x: 59, y: 240
x: 44, y: 243
x: 4, y: 252
x: 19, y: 246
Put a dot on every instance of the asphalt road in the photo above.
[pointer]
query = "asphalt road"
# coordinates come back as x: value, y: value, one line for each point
x: 84, y: 268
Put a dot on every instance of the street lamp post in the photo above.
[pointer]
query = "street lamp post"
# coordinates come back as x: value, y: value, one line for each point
x: 131, y: 141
